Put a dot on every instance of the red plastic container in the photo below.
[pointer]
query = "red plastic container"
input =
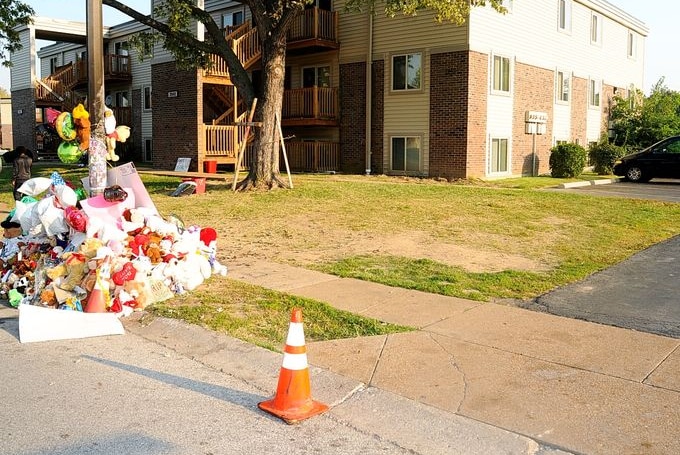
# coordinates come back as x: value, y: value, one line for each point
x: 200, y: 184
x: 210, y: 167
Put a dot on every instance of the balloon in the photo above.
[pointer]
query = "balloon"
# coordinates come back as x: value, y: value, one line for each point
x: 75, y: 218
x: 69, y: 153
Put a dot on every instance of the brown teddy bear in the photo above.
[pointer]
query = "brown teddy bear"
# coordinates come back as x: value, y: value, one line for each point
x: 81, y: 119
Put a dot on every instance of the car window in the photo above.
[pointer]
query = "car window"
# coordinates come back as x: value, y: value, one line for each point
x: 673, y: 147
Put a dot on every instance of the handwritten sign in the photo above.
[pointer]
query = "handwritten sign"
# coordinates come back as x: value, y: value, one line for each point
x: 182, y: 164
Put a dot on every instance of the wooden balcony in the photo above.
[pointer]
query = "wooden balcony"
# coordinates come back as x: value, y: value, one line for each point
x: 310, y: 106
x: 116, y: 69
x: 316, y: 156
x: 313, y: 30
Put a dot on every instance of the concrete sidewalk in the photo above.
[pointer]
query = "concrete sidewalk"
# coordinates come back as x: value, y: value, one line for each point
x: 580, y: 386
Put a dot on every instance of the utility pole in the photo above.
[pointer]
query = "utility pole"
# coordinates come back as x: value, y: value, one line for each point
x: 95, y: 94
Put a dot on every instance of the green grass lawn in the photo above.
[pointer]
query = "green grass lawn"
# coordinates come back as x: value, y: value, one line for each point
x: 567, y: 236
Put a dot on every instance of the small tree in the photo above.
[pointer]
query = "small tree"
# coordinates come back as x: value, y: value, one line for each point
x: 567, y: 160
x: 603, y: 155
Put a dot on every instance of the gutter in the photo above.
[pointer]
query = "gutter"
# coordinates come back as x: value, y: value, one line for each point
x: 369, y: 93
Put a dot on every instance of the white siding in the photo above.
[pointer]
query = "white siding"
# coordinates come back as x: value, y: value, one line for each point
x: 561, y: 122
x: 530, y: 33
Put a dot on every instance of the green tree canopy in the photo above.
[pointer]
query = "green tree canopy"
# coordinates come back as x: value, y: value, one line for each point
x: 12, y: 14
x: 640, y: 121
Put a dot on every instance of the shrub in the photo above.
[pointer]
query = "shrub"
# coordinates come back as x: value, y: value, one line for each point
x: 602, y: 156
x: 567, y: 160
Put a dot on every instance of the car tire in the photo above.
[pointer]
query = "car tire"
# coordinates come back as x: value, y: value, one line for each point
x: 635, y: 174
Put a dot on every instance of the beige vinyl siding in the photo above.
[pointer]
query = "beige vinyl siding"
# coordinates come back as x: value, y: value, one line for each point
x: 353, y: 34
x: 530, y: 33
x: 407, y: 113
x: 23, y: 70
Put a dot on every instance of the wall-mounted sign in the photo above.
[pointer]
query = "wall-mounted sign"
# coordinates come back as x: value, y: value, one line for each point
x: 536, y: 117
x: 172, y: 94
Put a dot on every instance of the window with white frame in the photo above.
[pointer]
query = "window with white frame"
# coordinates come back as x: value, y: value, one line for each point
x: 498, y: 156
x: 406, y: 71
x: 593, y: 93
x: 54, y: 63
x: 406, y: 153
x: 595, y: 29
x: 147, y: 97
x: 564, y: 15
x: 562, y: 86
x: 501, y: 74
x: 632, y: 45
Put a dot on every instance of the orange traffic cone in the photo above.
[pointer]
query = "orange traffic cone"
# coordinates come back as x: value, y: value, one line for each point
x: 98, y: 300
x: 293, y: 401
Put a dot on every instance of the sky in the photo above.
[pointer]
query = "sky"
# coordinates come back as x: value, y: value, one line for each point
x: 660, y: 16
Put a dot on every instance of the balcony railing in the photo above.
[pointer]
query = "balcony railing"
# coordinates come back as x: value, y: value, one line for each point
x: 320, y: 103
x: 314, y: 23
x: 316, y: 156
x: 115, y: 67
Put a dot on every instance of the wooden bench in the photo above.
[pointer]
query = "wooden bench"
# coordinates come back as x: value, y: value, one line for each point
x: 186, y: 174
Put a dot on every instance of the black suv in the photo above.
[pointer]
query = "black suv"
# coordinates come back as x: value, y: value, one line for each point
x: 659, y: 160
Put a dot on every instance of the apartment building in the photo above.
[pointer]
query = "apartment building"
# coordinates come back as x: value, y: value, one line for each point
x: 398, y: 96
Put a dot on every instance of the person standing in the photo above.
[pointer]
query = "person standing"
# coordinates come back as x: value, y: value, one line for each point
x: 22, y: 162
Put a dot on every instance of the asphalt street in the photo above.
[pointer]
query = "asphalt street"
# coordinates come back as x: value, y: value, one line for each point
x: 641, y: 293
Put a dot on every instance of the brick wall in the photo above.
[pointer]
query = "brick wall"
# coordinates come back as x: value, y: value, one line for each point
x: 533, y: 91
x: 478, y: 88
x: 176, y: 119
x: 579, y: 109
x: 378, y: 117
x: 135, y: 149
x: 353, y: 118
x: 23, y: 125
x: 448, y: 115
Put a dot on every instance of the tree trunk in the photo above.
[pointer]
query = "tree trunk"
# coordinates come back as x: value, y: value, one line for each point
x: 264, y: 170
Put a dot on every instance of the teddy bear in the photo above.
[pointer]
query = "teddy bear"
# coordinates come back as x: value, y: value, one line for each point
x: 76, y: 268
x: 139, y: 291
x: 81, y: 119
x: 11, y: 243
x: 49, y: 298
x: 153, y: 251
x: 120, y: 134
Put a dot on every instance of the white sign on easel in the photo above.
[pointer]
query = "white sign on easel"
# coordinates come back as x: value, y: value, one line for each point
x: 182, y: 164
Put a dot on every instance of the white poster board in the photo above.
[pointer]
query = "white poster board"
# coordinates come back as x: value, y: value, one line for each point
x: 182, y: 164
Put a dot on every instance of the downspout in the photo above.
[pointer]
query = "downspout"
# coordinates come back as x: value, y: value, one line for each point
x: 369, y: 93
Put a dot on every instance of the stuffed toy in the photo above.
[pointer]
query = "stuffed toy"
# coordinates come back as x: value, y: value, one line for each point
x: 11, y: 242
x: 140, y: 292
x: 76, y: 269
x: 49, y: 298
x: 81, y: 119
x: 153, y: 251
x: 120, y: 134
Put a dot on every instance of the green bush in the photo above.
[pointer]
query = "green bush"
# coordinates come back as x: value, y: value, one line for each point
x: 602, y: 156
x: 567, y: 160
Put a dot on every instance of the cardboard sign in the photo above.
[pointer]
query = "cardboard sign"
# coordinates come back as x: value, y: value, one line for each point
x: 126, y: 176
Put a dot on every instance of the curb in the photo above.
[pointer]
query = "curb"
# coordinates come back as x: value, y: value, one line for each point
x: 589, y: 183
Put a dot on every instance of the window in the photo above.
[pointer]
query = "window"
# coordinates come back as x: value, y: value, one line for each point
x: 232, y: 19
x: 563, y: 86
x: 147, y: 97
x: 53, y: 64
x: 501, y: 74
x: 316, y: 76
x: 406, y: 72
x: 122, y: 99
x: 632, y: 45
x: 596, y: 29
x: 120, y: 56
x: 498, y: 159
x: 564, y: 15
x: 406, y: 154
x: 594, y: 93
x: 148, y: 156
